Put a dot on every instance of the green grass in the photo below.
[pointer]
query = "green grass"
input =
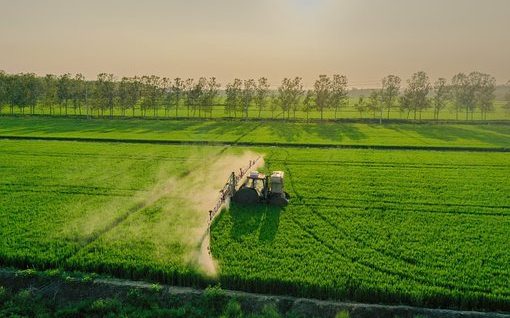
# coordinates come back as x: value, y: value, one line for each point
x: 426, y: 135
x: 415, y: 227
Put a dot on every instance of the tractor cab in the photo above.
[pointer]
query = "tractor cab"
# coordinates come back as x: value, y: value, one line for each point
x: 255, y: 179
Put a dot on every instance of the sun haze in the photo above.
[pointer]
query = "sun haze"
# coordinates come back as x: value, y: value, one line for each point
x: 363, y: 39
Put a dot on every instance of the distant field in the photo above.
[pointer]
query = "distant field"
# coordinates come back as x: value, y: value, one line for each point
x: 425, y: 135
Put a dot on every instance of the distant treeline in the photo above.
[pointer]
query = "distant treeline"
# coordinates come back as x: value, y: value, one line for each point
x: 67, y: 94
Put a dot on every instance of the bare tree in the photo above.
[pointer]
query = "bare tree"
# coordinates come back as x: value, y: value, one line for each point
x: 463, y: 92
x: 285, y: 96
x: 261, y: 95
x: 389, y: 93
x: 105, y: 92
x: 27, y: 91
x: 210, y: 92
x: 247, y: 95
x: 275, y: 103
x: 128, y: 94
x: 322, y: 92
x: 49, y: 97
x: 441, y: 96
x: 151, y: 90
x: 166, y: 94
x: 3, y: 89
x: 339, y: 93
x: 308, y: 103
x: 361, y: 106
x: 64, y: 91
x: 296, y: 93
x: 506, y: 107
x: 417, y: 91
x: 188, y: 90
x: 485, y: 93
x: 374, y: 103
x: 77, y: 92
x: 177, y: 89
x: 233, y: 91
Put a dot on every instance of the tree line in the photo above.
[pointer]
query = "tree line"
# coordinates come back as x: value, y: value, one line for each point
x: 67, y: 94
x: 466, y: 93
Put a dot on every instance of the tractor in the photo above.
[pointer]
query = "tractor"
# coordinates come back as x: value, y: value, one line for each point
x: 259, y: 188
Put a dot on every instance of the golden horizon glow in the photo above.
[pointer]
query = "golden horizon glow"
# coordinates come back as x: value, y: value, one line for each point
x: 363, y: 39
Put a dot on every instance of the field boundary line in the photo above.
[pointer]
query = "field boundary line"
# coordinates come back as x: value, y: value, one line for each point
x: 258, y: 144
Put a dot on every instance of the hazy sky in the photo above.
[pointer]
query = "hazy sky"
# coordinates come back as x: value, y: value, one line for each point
x: 363, y: 39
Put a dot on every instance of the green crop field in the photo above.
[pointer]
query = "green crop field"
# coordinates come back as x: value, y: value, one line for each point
x: 427, y: 228
x: 394, y: 226
x: 104, y: 206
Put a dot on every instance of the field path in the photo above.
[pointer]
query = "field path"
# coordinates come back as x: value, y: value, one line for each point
x: 207, y: 194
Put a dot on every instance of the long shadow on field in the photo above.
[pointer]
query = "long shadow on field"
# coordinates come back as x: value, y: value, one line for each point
x: 324, y: 132
x: 250, y: 220
x: 496, y: 135
x: 134, y: 127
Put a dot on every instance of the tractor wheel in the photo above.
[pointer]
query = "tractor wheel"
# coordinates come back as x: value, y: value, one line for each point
x: 279, y: 200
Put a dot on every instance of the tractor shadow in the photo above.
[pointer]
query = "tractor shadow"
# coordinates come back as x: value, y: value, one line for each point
x: 250, y: 221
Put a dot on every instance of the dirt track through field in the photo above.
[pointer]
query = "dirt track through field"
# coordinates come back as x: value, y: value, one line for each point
x: 206, y: 190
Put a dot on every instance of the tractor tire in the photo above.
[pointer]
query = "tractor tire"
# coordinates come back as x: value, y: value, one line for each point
x: 279, y: 199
